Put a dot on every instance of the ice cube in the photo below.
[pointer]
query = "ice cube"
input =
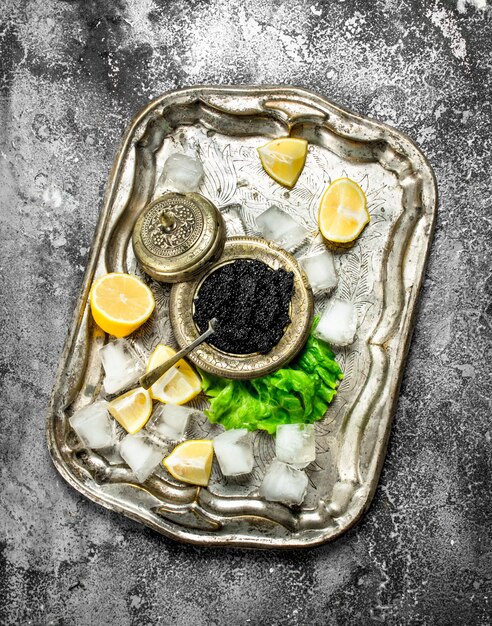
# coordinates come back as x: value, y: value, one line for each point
x: 283, y: 483
x: 234, y: 452
x: 233, y: 221
x: 338, y: 324
x: 170, y: 421
x: 94, y: 426
x: 276, y: 225
x: 320, y: 270
x: 182, y: 172
x: 122, y: 365
x: 141, y: 454
x: 295, y: 444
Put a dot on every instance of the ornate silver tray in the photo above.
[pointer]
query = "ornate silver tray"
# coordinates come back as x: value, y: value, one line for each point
x: 381, y: 274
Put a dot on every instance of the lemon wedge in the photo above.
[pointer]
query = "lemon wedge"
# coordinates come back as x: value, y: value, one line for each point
x: 120, y: 303
x: 132, y: 410
x: 283, y: 159
x: 343, y: 211
x: 178, y: 385
x: 191, y: 461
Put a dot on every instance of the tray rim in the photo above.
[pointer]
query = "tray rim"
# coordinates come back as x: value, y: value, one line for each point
x: 184, y: 534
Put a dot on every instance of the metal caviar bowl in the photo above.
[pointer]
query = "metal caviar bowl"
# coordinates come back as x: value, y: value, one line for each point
x: 246, y: 366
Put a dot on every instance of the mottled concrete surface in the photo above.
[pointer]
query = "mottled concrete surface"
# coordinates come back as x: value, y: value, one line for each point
x: 72, y: 74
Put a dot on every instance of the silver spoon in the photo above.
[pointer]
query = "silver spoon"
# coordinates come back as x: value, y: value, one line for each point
x: 147, y: 380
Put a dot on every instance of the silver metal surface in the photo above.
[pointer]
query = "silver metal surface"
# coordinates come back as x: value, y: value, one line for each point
x: 381, y: 274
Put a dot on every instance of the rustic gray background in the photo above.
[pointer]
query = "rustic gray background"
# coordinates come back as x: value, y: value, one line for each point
x: 72, y: 75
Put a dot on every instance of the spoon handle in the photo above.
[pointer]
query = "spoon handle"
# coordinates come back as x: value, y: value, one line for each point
x: 148, y: 379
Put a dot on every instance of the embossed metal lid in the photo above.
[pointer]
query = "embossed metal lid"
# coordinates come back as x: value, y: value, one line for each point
x: 178, y: 236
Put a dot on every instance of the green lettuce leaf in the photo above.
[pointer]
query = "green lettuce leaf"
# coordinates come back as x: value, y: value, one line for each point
x: 299, y: 393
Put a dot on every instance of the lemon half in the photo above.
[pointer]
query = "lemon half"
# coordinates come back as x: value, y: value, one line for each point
x: 120, y: 303
x: 343, y: 211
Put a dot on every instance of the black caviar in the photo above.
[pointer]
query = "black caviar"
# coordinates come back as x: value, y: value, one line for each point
x: 251, y: 303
